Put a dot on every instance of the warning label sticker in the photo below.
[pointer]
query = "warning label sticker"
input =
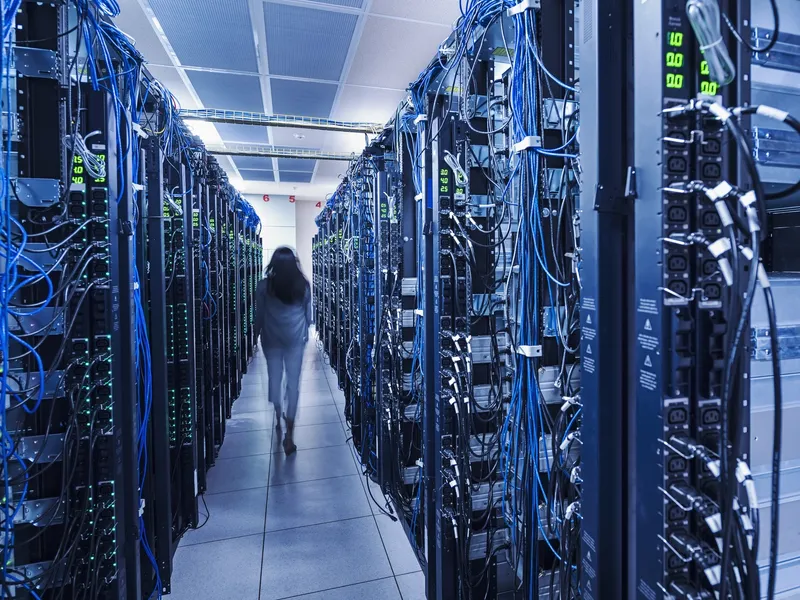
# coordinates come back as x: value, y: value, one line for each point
x: 647, y: 342
x: 648, y: 306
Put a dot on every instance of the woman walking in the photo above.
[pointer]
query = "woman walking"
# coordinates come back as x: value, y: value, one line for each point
x: 282, y: 320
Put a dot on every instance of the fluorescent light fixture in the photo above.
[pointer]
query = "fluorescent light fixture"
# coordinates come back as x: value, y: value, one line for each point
x: 157, y: 25
x: 206, y: 132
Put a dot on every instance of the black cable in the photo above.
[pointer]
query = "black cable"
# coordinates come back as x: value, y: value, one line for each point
x: 776, y: 442
x: 775, y: 31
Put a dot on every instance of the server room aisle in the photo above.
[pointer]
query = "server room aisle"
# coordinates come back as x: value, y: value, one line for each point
x: 296, y: 527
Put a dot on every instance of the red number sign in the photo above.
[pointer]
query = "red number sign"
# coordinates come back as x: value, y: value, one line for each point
x: 292, y: 199
x: 266, y: 197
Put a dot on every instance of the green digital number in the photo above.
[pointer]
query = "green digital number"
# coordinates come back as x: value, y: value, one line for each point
x: 675, y: 39
x: 709, y: 88
x: 675, y: 59
x: 674, y: 81
x: 704, y: 67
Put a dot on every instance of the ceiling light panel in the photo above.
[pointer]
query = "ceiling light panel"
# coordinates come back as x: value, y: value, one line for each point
x: 227, y: 91
x: 300, y: 165
x: 209, y: 33
x: 302, y: 98
x: 294, y: 177
x: 253, y: 163
x: 247, y: 134
x: 306, y: 42
x: 252, y: 175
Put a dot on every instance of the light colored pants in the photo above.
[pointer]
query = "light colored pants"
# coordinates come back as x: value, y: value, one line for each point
x: 290, y: 360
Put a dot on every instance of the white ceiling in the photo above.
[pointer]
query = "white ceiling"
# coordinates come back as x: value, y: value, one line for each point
x: 349, y: 60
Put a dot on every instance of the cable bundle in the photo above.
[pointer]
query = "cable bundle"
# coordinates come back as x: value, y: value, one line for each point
x: 704, y: 15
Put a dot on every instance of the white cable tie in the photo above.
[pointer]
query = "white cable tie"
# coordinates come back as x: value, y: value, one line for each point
x: 714, y: 522
x: 742, y: 471
x: 530, y: 351
x: 752, y: 220
x: 454, y: 404
x: 138, y: 187
x: 455, y: 359
x: 531, y: 141
x: 748, y: 199
x: 715, y: 108
x: 724, y: 213
x: 772, y: 113
x: 419, y: 197
x: 719, y: 191
x: 566, y: 441
x: 720, y: 247
x: 419, y: 312
x: 763, y: 280
x: 523, y: 6
x: 727, y: 270
x: 420, y: 119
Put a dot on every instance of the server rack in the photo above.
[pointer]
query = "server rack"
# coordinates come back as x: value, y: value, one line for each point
x: 107, y: 418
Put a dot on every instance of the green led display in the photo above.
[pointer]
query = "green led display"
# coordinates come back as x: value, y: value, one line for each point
x: 675, y: 39
x: 675, y: 81
x: 674, y: 59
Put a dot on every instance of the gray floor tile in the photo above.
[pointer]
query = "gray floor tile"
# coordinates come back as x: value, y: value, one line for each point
x: 250, y: 422
x: 322, y: 557
x: 382, y: 589
x: 401, y: 554
x: 233, y: 514
x: 314, y: 385
x: 315, y: 398
x: 315, y: 415
x: 227, y: 569
x: 315, y: 502
x: 312, y: 375
x: 308, y: 437
x: 252, y: 403
x: 247, y: 443
x: 242, y: 473
x: 412, y: 586
x: 307, y: 465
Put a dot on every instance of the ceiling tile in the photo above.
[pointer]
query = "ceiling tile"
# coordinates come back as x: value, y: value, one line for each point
x: 337, y: 141
x: 301, y: 165
x: 293, y: 177
x: 248, y: 134
x: 209, y: 33
x: 431, y: 11
x: 224, y: 90
x: 385, y: 56
x: 306, y: 42
x: 302, y: 98
x: 251, y: 175
x: 253, y: 163
x: 331, y: 172
x: 370, y: 105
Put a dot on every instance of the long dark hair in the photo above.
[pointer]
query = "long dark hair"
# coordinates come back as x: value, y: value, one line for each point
x: 286, y: 281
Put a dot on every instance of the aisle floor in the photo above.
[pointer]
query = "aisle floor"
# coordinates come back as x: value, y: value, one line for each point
x: 293, y: 527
